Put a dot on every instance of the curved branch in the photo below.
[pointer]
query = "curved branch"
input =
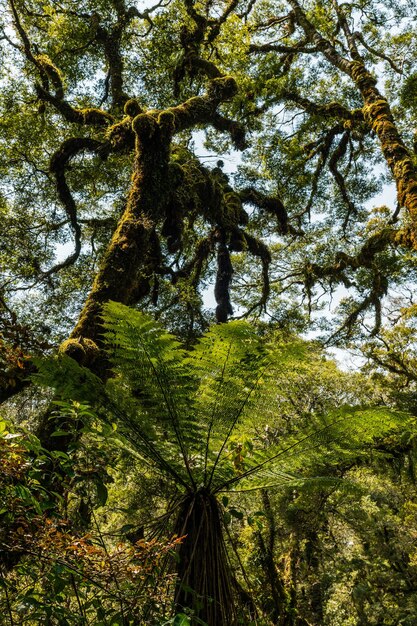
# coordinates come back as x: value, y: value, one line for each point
x: 377, y: 53
x: 215, y: 25
x: 58, y: 164
x: 235, y: 129
x: 330, y: 110
x: 338, y: 154
x: 259, y: 249
x: 89, y: 116
x: 27, y: 48
x: 324, y: 150
x: 283, y: 49
x: 193, y: 269
x: 272, y: 205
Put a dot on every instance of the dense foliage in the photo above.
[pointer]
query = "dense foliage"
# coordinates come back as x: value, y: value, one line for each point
x: 205, y: 162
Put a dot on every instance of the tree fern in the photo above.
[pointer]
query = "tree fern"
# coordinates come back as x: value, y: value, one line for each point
x: 185, y: 412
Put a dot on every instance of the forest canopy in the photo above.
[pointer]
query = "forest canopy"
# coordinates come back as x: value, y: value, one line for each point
x: 236, y: 167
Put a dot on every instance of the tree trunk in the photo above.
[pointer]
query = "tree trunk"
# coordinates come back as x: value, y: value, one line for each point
x: 204, y: 574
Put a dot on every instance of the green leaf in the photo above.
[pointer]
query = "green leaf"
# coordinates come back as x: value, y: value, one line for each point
x: 181, y: 620
x: 235, y: 513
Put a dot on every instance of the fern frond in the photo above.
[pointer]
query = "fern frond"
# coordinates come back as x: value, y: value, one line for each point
x: 154, y: 366
x: 341, y: 435
x: 69, y: 379
x: 185, y: 411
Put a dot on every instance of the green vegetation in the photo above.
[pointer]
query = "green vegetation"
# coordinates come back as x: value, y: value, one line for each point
x: 190, y: 192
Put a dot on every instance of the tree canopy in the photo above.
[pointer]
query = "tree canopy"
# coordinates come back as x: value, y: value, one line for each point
x: 151, y: 152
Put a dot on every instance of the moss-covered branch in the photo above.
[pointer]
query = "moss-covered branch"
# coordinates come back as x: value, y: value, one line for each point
x: 365, y: 258
x: 58, y: 165
x: 130, y: 260
x: 203, y: 109
x: 88, y: 116
x: 272, y: 205
x: 331, y: 110
x: 376, y: 111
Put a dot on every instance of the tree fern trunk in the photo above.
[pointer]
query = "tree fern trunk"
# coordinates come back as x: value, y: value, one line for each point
x: 204, y: 575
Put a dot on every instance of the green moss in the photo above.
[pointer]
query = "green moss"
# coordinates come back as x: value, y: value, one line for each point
x: 238, y: 241
x: 166, y: 119
x: 119, y: 134
x: 361, y: 76
x: 222, y: 88
x: 233, y: 208
x: 94, y: 116
x: 82, y: 350
x: 144, y: 126
x: 189, y: 109
x: 132, y: 108
x: 176, y: 174
x: 53, y: 74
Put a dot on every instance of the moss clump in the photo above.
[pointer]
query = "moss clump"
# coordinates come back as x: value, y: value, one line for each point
x: 144, y: 126
x: 222, y: 284
x: 361, y: 76
x: 406, y: 237
x: 82, y: 350
x: 132, y: 108
x: 121, y: 136
x: 237, y: 241
x: 222, y: 88
x: 375, y: 110
x: 232, y: 209
x: 166, y: 121
x: 191, y: 110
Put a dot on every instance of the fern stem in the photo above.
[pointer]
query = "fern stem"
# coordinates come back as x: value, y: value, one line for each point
x: 234, y: 422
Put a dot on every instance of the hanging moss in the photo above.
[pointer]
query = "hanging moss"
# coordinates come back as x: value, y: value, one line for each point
x: 121, y: 135
x: 237, y: 241
x: 172, y: 229
x: 259, y: 249
x: 176, y: 174
x: 222, y: 285
x: 232, y: 210
x: 193, y: 269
